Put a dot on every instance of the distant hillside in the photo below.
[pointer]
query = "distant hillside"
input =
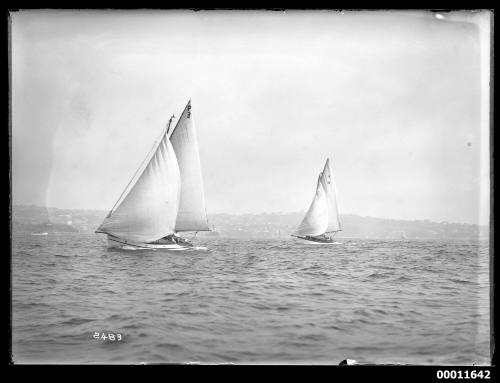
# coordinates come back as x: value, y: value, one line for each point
x: 353, y: 226
x: 34, y: 218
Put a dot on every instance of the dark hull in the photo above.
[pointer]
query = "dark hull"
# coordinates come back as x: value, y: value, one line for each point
x: 316, y: 239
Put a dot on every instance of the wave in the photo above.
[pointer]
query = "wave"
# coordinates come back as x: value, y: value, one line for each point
x: 247, y: 301
x: 170, y: 346
x: 76, y: 321
x: 462, y: 281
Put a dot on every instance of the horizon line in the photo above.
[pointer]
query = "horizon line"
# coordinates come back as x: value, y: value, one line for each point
x: 277, y: 212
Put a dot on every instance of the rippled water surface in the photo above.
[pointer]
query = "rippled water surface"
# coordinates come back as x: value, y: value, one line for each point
x: 250, y: 301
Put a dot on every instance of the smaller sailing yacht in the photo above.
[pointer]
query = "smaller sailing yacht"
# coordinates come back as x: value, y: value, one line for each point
x: 165, y: 197
x: 322, y: 219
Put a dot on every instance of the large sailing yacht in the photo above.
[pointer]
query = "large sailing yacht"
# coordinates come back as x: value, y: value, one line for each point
x: 165, y: 197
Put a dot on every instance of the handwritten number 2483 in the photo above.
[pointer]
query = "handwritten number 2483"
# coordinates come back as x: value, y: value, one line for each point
x: 109, y: 336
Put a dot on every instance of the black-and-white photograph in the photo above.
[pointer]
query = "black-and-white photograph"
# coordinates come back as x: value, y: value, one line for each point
x: 295, y: 187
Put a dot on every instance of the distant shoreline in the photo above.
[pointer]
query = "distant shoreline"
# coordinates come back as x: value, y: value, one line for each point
x: 104, y: 212
x: 31, y: 218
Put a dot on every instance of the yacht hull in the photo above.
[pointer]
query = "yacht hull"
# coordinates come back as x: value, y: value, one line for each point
x: 315, y: 240
x: 118, y: 243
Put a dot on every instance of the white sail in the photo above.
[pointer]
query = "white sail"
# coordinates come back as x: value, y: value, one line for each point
x: 328, y: 183
x: 192, y: 214
x: 148, y: 211
x: 315, y: 221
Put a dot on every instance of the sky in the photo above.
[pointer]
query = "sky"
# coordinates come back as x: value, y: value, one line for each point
x: 398, y: 100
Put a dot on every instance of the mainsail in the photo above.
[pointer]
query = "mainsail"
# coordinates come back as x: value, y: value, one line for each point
x: 192, y: 214
x: 149, y: 210
x: 328, y: 183
x: 315, y: 221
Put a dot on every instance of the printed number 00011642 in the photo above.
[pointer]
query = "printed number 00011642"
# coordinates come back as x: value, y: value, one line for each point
x: 463, y: 374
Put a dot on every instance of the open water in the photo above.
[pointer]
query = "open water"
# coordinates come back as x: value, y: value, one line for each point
x: 250, y: 302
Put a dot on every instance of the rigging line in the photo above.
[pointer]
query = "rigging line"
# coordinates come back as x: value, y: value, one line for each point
x: 153, y: 149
